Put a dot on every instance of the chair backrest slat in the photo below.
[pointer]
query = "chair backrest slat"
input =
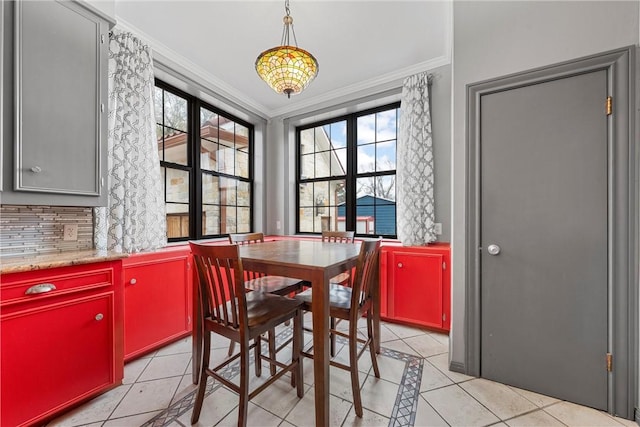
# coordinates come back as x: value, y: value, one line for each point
x: 366, y: 276
x: 221, y: 285
x: 248, y: 239
x: 338, y: 236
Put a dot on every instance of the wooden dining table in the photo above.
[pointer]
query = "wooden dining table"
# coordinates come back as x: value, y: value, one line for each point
x: 316, y: 262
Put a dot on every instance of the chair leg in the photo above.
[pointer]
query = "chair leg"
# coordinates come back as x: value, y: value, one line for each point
x: 296, y: 375
x: 202, y: 384
x: 272, y: 350
x: 244, y: 384
x: 332, y: 337
x: 257, y: 351
x: 372, y: 345
x: 232, y: 347
x: 353, y: 367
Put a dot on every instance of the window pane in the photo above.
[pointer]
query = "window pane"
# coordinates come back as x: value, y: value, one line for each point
x: 323, y: 163
x: 177, y: 186
x: 365, y: 187
x: 366, y: 158
x: 386, y: 156
x: 208, y: 124
x: 208, y: 155
x: 386, y: 125
x: 305, y: 194
x: 227, y: 191
x: 307, y: 166
x: 307, y: 141
x: 228, y: 216
x: 365, y: 219
x: 386, y: 187
x: 242, y: 133
x: 177, y: 220
x: 385, y: 215
x: 366, y: 129
x: 175, y: 111
x: 210, y: 220
x: 210, y: 189
x: 321, y: 197
x: 321, y: 139
x: 226, y: 158
x: 306, y: 220
x: 339, y: 162
x: 339, y: 134
x: 244, y: 220
x: 242, y: 164
x: 335, y: 211
x: 175, y: 146
x: 244, y: 193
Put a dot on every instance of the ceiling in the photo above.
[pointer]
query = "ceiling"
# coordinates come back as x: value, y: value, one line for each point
x: 359, y: 45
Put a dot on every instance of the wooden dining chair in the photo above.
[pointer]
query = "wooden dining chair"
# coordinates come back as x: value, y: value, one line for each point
x: 227, y: 308
x: 339, y: 237
x: 342, y: 278
x: 352, y: 303
x: 256, y: 281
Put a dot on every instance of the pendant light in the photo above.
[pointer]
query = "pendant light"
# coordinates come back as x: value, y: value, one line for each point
x: 287, y: 68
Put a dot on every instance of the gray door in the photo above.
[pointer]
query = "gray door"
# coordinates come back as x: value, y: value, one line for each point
x: 543, y: 204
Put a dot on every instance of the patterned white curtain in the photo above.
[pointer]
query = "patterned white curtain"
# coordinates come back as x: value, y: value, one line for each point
x: 134, y: 219
x: 415, y: 202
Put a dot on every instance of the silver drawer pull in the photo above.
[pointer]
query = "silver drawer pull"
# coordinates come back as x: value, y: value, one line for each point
x: 399, y: 265
x: 36, y: 169
x: 99, y: 316
x: 42, y: 288
x: 133, y: 281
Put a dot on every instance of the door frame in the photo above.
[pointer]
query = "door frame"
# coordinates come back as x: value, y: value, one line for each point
x: 622, y: 223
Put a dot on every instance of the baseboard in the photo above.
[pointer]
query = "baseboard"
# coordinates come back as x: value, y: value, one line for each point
x: 637, y: 417
x: 460, y: 368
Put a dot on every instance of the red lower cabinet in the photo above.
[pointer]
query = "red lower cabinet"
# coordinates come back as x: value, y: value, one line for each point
x: 59, y: 347
x: 157, y: 300
x: 415, y: 285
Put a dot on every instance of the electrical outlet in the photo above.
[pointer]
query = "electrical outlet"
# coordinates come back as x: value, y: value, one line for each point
x: 437, y: 228
x: 70, y: 232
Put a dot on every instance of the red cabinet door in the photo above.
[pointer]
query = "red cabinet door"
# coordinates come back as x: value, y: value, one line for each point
x: 156, y: 301
x: 55, y: 355
x: 415, y: 290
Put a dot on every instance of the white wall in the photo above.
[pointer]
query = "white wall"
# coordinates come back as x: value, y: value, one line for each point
x: 493, y: 39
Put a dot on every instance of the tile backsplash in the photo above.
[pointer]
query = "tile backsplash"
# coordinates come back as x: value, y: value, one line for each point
x: 40, y: 229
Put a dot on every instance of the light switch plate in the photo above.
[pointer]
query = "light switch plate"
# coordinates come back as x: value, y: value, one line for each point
x: 70, y: 232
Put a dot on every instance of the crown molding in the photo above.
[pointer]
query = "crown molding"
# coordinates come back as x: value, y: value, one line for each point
x: 214, y: 83
x: 380, y: 83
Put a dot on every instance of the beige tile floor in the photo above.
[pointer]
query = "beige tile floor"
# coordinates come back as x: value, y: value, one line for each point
x: 155, y: 385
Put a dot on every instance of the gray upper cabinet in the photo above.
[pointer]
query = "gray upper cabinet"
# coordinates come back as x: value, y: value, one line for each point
x: 54, y: 148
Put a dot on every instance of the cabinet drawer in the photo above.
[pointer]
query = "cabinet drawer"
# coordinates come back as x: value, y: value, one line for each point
x: 55, y: 282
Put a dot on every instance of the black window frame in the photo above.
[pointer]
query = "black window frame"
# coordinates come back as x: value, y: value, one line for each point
x: 352, y: 174
x: 194, y: 104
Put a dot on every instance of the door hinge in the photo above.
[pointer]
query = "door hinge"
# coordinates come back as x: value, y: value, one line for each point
x: 102, y: 38
x: 444, y: 317
x: 609, y: 362
x: 609, y: 105
x: 444, y: 265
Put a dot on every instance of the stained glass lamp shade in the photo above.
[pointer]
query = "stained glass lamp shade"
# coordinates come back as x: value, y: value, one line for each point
x: 287, y: 69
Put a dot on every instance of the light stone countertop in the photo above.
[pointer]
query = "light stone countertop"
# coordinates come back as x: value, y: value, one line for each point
x: 31, y: 262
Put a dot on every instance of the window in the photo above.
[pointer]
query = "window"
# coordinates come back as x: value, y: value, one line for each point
x: 346, y: 173
x: 206, y: 162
